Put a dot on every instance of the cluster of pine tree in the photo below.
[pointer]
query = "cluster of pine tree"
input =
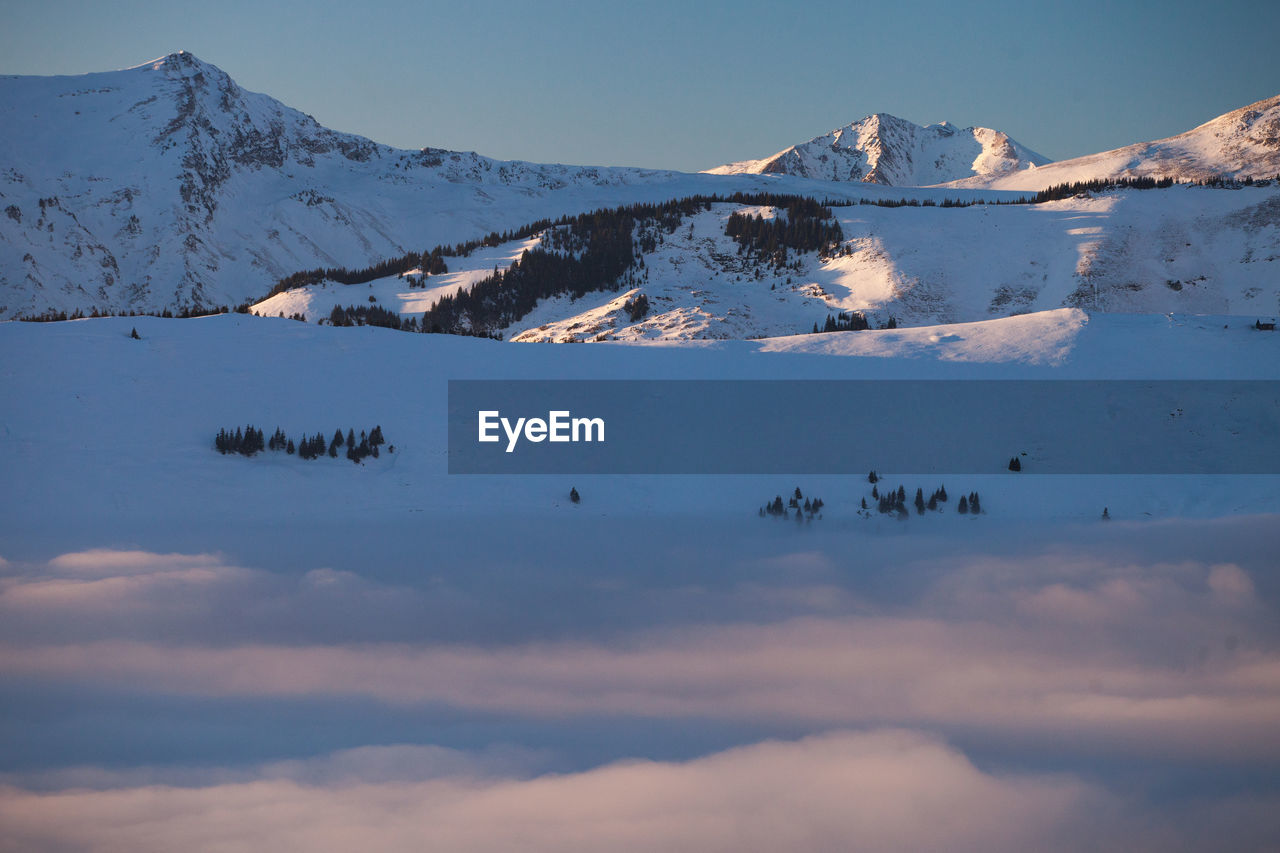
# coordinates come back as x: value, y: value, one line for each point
x: 431, y: 262
x: 1236, y: 183
x: 636, y: 307
x: 579, y: 254
x: 250, y: 440
x: 246, y: 442
x: 946, y: 202
x: 57, y: 316
x: 365, y: 315
x: 891, y: 502
x: 587, y: 253
x: 1098, y: 185
x: 853, y: 321
x: 808, y: 510
x: 804, y: 228
x: 894, y: 501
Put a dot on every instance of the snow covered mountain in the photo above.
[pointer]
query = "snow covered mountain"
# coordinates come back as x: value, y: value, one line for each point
x: 884, y: 149
x: 1194, y: 250
x: 1243, y: 143
x: 166, y: 185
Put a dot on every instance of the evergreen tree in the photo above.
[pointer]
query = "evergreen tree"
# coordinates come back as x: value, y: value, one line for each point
x: 1106, y: 515
x: 963, y: 507
x: 134, y: 334
x: 1015, y: 464
x: 574, y: 496
x: 919, y: 501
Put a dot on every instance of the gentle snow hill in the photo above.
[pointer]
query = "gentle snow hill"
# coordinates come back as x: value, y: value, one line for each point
x: 1192, y: 250
x: 884, y: 149
x: 1243, y: 143
x: 109, y: 438
x: 169, y: 186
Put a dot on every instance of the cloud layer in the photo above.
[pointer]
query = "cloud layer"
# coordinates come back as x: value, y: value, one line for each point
x: 1061, y: 650
x: 885, y: 790
x: 1179, y: 658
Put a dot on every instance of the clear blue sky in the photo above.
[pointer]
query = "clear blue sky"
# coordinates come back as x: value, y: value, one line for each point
x: 689, y: 85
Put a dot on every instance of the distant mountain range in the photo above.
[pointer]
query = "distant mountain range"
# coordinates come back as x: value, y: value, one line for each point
x: 884, y: 149
x: 167, y: 186
x: 1243, y: 143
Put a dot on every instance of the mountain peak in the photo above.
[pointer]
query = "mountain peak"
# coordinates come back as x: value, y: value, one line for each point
x: 176, y: 61
x: 884, y: 149
x: 1243, y: 143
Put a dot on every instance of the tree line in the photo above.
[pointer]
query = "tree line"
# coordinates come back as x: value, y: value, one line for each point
x: 851, y: 321
x: 803, y: 228
x: 250, y: 440
x: 807, y: 511
x: 579, y: 254
x: 184, y: 313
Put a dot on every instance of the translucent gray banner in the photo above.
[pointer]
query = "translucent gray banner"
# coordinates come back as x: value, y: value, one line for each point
x: 851, y: 427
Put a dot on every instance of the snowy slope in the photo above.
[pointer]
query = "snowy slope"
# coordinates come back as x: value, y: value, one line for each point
x: 1178, y: 250
x: 89, y: 442
x: 169, y: 186
x: 884, y: 149
x: 394, y: 293
x: 1243, y: 143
